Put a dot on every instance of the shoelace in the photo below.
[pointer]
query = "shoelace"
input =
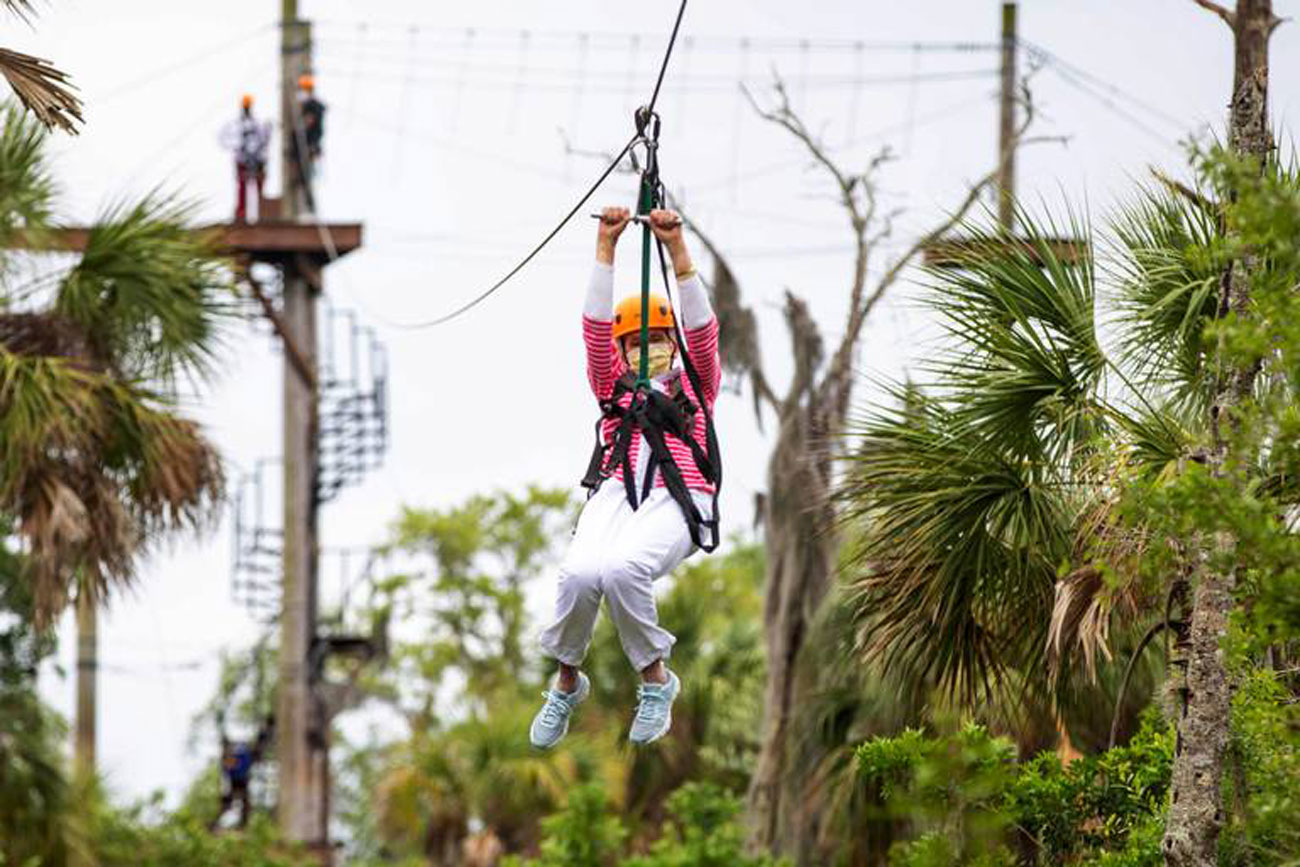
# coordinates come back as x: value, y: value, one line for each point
x: 652, y: 702
x: 555, y: 709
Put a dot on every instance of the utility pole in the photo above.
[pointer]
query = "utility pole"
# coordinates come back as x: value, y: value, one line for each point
x: 956, y: 252
x: 300, y: 744
x: 1007, y: 124
x: 87, y: 671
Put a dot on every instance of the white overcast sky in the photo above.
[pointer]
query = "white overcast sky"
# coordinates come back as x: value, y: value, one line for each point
x: 446, y: 143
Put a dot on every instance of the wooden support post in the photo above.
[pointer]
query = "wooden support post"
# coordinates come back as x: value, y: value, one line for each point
x: 87, y: 692
x: 1007, y: 124
x: 301, y: 754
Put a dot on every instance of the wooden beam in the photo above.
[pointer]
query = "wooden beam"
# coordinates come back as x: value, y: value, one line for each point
x: 258, y: 242
x: 956, y: 252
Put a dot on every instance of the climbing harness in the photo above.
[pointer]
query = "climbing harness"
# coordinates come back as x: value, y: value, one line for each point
x: 649, y: 412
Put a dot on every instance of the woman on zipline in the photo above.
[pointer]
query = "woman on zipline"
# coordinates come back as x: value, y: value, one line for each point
x: 654, y: 484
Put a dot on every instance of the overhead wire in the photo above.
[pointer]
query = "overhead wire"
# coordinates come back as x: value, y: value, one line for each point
x: 161, y: 72
x: 483, y: 296
x: 455, y: 144
x: 851, y: 128
x: 205, y: 116
x: 402, y: 113
x: 561, y: 40
x: 938, y: 115
x: 562, y: 79
x: 1101, y: 83
x: 1079, y: 85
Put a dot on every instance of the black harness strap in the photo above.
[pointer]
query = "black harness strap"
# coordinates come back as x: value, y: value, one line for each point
x: 655, y: 415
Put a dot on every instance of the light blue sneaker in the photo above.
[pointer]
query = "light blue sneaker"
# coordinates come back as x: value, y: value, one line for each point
x: 654, y: 710
x: 552, y: 722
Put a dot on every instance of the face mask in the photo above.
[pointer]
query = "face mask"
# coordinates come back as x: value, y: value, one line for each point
x: 661, y: 358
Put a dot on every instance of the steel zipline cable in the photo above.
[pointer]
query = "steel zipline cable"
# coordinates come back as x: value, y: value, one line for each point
x: 609, y: 170
x: 483, y: 296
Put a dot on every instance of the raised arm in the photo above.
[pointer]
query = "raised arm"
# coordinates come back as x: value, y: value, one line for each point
x: 598, y: 311
x: 699, y: 325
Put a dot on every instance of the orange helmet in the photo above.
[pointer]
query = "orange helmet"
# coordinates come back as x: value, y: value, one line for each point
x: 247, y: 100
x: 306, y: 82
x: 627, y: 315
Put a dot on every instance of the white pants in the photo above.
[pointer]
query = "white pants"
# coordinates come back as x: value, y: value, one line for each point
x: 617, y: 553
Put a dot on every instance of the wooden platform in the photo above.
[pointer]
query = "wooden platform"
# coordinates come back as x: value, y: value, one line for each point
x: 953, y: 252
x: 270, y: 241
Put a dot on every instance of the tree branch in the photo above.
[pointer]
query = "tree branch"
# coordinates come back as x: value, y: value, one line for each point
x: 1228, y: 18
x: 1205, y: 204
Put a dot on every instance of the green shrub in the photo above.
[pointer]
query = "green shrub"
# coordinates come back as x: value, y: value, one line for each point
x: 583, y: 834
x: 967, y: 801
x: 703, y: 830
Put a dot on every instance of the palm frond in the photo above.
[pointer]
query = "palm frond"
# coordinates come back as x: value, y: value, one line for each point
x: 151, y: 292
x: 1167, y: 268
x: 1027, y: 362
x: 172, y: 475
x: 1158, y: 436
x: 93, y: 468
x: 959, y: 549
x: 1080, y: 617
x: 42, y: 88
x: 26, y: 186
x: 22, y: 8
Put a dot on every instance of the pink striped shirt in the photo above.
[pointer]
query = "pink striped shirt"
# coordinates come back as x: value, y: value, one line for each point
x: 605, y: 365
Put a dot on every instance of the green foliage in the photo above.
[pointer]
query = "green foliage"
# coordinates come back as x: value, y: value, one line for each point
x: 1050, y: 489
x: 584, y: 834
x: 471, y: 564
x: 35, y: 799
x: 96, y: 463
x: 703, y: 830
x: 950, y: 790
x: 967, y: 801
x: 26, y: 187
x: 130, y: 838
x: 1264, y: 780
x: 1095, y: 802
x: 149, y: 292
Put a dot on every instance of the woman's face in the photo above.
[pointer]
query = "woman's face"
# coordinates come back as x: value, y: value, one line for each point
x: 658, y: 337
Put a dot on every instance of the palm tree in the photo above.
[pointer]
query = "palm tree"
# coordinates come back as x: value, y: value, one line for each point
x: 43, y: 89
x: 992, y: 546
x: 96, y: 462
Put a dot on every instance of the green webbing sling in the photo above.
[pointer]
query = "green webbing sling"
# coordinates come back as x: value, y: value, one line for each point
x: 644, y: 204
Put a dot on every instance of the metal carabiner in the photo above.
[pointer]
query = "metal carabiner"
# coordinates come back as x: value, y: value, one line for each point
x: 647, y: 123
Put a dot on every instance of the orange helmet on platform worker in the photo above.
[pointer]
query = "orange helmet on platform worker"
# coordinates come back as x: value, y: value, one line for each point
x: 307, y: 83
x: 627, y: 333
x: 246, y: 101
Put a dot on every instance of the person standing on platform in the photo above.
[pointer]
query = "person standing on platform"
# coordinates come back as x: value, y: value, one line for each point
x: 308, y: 137
x: 248, y: 139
